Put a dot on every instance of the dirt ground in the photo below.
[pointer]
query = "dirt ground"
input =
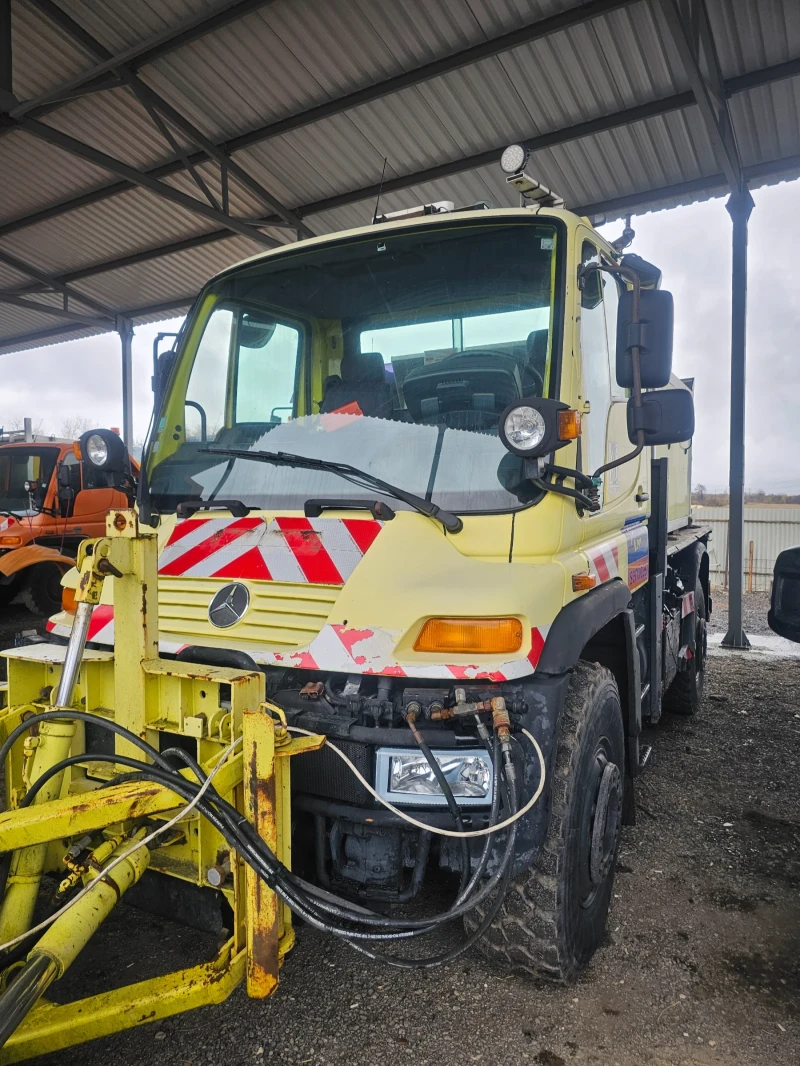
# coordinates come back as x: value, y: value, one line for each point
x: 701, y: 964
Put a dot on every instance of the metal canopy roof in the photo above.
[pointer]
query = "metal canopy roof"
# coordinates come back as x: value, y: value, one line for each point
x: 143, y: 147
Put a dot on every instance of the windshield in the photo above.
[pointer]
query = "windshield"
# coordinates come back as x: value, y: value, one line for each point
x: 395, y: 352
x: 18, y: 465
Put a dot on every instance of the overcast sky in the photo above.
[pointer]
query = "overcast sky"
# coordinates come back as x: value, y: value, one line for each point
x: 692, y: 247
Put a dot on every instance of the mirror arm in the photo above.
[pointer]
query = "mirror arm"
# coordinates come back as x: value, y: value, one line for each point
x: 633, y: 278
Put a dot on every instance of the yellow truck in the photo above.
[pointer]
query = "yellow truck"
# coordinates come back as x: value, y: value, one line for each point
x: 413, y: 522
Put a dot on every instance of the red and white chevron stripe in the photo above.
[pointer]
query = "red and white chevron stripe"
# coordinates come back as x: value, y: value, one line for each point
x: 6, y: 521
x: 343, y: 649
x: 318, y: 551
x: 604, y: 560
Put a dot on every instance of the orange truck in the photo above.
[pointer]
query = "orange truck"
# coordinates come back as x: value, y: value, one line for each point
x: 51, y: 500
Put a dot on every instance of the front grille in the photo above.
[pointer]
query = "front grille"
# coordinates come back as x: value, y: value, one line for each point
x: 281, y: 614
x: 322, y: 773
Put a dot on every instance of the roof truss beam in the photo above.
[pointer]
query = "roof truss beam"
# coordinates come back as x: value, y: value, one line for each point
x: 159, y: 109
x: 550, y: 140
x: 58, y: 312
x: 141, y: 178
x: 147, y: 52
x: 741, y: 83
x: 52, y: 283
x: 690, y: 32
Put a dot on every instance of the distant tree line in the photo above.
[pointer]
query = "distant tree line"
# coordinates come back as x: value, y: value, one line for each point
x: 704, y: 498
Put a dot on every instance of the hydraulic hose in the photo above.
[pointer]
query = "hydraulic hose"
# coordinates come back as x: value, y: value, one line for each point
x: 321, y: 909
x: 447, y: 792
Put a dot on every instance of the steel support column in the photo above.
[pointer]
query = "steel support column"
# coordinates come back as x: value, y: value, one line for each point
x: 125, y: 330
x: 739, y: 207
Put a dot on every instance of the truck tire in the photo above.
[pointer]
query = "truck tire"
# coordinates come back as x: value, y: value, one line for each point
x: 8, y: 591
x: 41, y: 591
x: 554, y: 915
x: 685, y: 693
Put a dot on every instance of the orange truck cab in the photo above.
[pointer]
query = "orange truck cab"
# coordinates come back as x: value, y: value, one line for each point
x: 52, y: 498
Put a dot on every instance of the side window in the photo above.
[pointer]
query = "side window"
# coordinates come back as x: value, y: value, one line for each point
x: 595, y: 363
x: 611, y: 306
x: 265, y: 358
x: 205, y: 395
x: 266, y: 370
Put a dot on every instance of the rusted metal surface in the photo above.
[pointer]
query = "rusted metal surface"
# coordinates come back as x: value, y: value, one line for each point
x: 86, y: 812
x: 258, y: 757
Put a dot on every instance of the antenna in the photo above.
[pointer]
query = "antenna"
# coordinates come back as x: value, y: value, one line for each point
x: 380, y: 190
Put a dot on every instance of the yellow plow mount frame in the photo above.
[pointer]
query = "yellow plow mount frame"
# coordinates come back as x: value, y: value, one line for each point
x: 151, y: 697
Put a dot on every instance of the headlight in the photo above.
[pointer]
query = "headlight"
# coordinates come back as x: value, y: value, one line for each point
x: 97, y: 450
x: 534, y: 426
x: 404, y: 776
x: 514, y: 158
x: 525, y: 428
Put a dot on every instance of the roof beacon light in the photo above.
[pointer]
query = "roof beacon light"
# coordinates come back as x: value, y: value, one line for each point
x: 441, y: 207
x: 513, y: 162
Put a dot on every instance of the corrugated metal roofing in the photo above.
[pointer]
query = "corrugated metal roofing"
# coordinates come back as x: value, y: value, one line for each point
x: 280, y: 58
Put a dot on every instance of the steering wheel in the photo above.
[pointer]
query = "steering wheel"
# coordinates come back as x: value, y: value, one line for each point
x: 530, y: 369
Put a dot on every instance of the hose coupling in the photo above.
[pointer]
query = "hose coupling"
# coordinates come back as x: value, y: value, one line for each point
x: 412, y: 712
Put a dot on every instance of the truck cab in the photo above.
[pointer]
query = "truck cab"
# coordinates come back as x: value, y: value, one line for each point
x: 409, y: 471
x: 51, y: 500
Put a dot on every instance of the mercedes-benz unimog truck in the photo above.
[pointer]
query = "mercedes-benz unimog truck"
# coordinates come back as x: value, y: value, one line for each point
x: 426, y: 484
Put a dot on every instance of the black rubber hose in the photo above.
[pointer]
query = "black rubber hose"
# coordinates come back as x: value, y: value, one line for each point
x: 473, y: 938
x: 82, y: 716
x: 236, y: 830
x: 447, y: 792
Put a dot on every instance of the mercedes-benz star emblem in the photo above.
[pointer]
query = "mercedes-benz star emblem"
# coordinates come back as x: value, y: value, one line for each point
x: 229, y: 605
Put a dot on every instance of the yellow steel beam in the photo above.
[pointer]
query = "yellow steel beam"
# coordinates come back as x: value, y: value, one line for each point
x: 50, y: 1027
x: 86, y: 812
x: 258, y: 756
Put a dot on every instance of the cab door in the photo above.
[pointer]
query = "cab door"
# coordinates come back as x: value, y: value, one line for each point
x: 604, y: 434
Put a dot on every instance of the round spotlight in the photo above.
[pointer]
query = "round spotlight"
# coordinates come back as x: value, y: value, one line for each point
x: 514, y: 158
x: 524, y: 428
x: 97, y: 450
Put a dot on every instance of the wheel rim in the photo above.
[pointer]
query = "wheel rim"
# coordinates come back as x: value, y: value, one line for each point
x: 601, y: 823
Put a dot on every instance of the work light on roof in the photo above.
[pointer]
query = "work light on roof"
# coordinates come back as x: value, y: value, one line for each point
x: 514, y: 158
x: 513, y: 162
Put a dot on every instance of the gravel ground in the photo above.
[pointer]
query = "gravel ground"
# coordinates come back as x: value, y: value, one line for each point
x: 701, y: 964
x: 754, y: 611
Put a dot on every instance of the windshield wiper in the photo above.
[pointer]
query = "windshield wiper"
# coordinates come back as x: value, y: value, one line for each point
x: 451, y: 522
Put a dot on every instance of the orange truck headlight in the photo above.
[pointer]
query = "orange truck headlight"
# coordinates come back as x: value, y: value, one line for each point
x: 68, y: 600
x: 10, y: 542
x: 470, y: 636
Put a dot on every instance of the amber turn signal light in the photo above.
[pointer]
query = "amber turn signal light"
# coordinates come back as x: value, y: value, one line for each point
x: 569, y: 425
x: 10, y: 542
x: 583, y: 582
x: 470, y: 636
x: 68, y: 603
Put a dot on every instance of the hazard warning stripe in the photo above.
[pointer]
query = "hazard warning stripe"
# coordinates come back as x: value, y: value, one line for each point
x: 343, y: 649
x: 187, y: 552
x: 604, y: 560
x: 322, y: 551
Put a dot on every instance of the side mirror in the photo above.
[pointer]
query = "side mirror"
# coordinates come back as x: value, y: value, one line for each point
x: 163, y: 368
x: 784, y: 611
x: 667, y: 417
x: 653, y: 335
